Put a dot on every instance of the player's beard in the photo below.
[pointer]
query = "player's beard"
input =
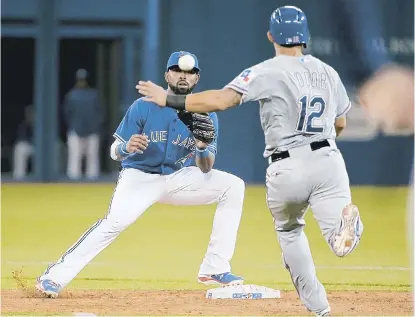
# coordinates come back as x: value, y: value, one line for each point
x: 181, y: 90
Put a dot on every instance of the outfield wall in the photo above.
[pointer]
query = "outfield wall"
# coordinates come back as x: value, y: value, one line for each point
x: 227, y: 36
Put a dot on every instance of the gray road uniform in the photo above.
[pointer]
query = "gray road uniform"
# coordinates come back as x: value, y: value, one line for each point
x: 300, y: 98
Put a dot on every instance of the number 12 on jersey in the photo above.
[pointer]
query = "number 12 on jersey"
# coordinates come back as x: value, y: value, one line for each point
x: 310, y: 109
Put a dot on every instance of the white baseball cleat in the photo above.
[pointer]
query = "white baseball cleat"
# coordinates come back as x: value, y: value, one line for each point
x: 350, y: 231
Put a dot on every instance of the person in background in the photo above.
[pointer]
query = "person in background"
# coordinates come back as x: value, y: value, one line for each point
x: 385, y: 87
x: 83, y: 115
x: 23, y: 148
x: 388, y: 98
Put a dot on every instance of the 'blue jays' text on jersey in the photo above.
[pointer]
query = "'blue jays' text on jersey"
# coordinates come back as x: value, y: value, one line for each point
x: 171, y: 144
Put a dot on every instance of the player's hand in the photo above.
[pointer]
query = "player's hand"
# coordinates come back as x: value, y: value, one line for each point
x: 388, y: 98
x: 152, y: 92
x: 200, y: 144
x: 137, y: 143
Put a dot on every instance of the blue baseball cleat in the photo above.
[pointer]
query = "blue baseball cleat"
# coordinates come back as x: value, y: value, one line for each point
x: 220, y: 279
x: 48, y: 288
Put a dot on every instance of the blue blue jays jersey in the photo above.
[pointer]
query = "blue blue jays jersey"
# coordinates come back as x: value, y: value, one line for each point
x: 171, y: 144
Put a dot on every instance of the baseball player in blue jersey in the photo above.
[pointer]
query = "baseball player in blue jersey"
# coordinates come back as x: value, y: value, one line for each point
x: 303, y: 105
x: 166, y: 157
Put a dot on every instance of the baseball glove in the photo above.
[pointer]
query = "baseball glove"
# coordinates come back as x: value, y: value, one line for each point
x: 199, y: 124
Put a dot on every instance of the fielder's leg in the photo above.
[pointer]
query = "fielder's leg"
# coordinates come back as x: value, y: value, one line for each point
x: 287, y: 194
x: 134, y: 193
x: 190, y: 186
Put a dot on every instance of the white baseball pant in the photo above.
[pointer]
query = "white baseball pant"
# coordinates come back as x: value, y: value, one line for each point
x: 78, y: 147
x: 136, y: 191
x: 21, y: 154
x: 316, y: 179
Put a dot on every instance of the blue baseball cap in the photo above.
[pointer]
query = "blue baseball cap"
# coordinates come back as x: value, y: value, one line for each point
x: 174, y: 60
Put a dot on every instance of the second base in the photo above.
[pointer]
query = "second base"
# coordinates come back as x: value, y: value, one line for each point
x: 243, y: 292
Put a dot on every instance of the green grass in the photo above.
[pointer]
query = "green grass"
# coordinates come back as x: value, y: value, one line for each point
x: 164, y: 248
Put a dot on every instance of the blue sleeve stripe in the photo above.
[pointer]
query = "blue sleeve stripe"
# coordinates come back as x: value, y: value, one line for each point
x: 119, y: 138
x: 123, y: 150
x: 238, y: 89
x: 212, y: 149
x: 345, y: 110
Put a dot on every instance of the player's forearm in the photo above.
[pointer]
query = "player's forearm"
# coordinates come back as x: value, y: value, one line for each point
x: 206, y: 101
x: 340, y: 124
x: 205, y: 160
x: 339, y: 130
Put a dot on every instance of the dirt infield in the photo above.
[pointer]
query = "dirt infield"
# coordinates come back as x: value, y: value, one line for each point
x: 152, y: 303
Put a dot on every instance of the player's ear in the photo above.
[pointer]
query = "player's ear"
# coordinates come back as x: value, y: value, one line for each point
x: 270, y: 37
x: 166, y: 77
x: 197, y: 78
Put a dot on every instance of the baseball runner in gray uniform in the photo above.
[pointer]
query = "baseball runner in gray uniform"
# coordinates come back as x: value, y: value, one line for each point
x: 303, y: 104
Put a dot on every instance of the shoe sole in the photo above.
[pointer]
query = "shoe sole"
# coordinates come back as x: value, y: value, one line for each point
x: 324, y: 313
x: 45, y: 292
x: 211, y: 281
x: 348, y: 235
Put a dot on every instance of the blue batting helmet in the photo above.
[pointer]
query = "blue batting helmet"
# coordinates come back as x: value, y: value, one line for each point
x: 174, y: 60
x: 288, y: 26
